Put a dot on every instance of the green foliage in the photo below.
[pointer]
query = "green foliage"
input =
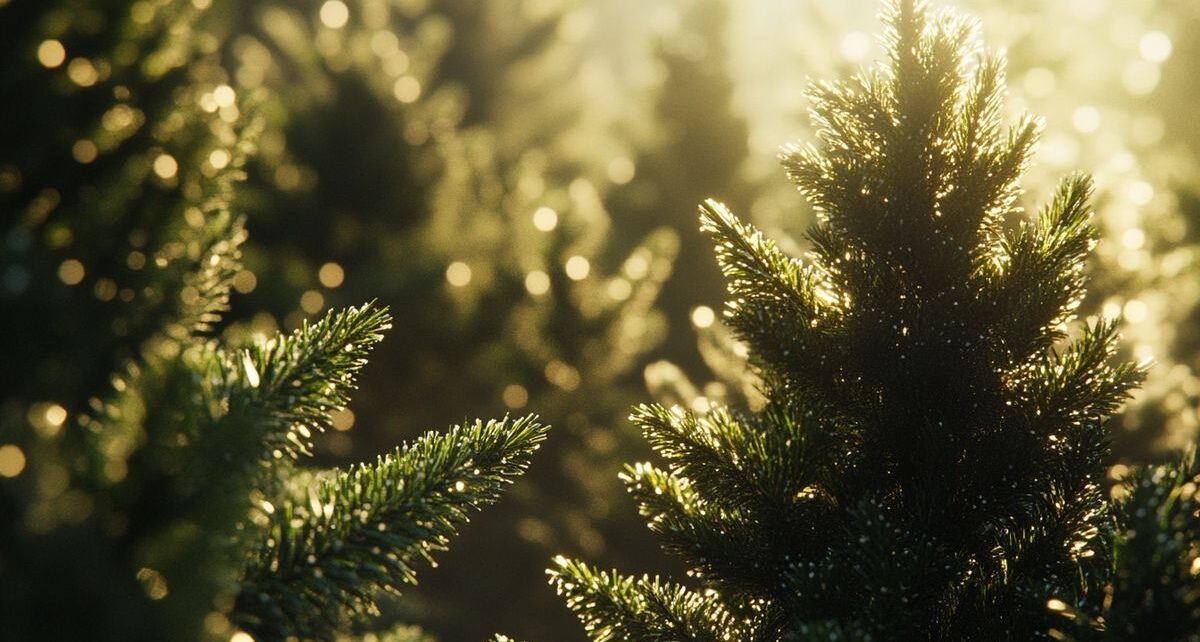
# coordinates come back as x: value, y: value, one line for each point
x: 929, y: 459
x: 369, y: 526
x: 613, y: 607
x: 1156, y: 585
x: 141, y: 457
x: 118, y: 250
x: 291, y: 384
x: 1111, y: 78
x: 451, y: 160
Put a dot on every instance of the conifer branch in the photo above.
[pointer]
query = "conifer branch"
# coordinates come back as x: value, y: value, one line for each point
x: 779, y: 305
x: 1078, y: 382
x: 1042, y: 279
x: 1155, y: 593
x: 755, y: 268
x: 324, y: 559
x: 713, y: 543
x: 615, y: 608
x: 734, y: 461
x: 288, y: 386
x: 205, y: 292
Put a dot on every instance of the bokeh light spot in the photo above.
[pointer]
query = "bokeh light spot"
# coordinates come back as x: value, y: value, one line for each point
x: 1155, y: 46
x: 407, y: 89
x: 224, y: 96
x: 288, y: 177
x: 703, y: 316
x: 82, y: 72
x: 578, y: 268
x: 1140, y: 77
x: 166, y: 166
x: 335, y: 14
x: 619, y: 289
x: 1086, y: 119
x: 153, y: 583
x: 12, y: 460
x: 537, y: 282
x: 136, y: 260
x: 219, y: 159
x: 331, y: 275
x: 55, y: 415
x: 51, y: 53
x: 1134, y: 238
x: 1136, y: 311
x: 84, y: 151
x: 636, y: 266
x: 545, y: 219
x: 621, y: 170
x: 1141, y: 192
x: 458, y: 274
x: 245, y: 282
x: 71, y: 272
x: 855, y: 46
x: 563, y: 375
x: 208, y: 103
x: 342, y: 420
x: 312, y: 302
x: 515, y: 396
x: 1111, y: 309
x: 385, y: 43
x: 105, y: 289
x: 47, y: 418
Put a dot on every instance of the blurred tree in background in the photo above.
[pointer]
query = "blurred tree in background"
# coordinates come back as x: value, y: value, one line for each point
x: 693, y: 120
x: 453, y: 159
x: 113, y: 191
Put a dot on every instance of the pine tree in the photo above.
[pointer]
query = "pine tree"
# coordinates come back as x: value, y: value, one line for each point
x: 1110, y: 78
x: 930, y: 461
x: 150, y: 485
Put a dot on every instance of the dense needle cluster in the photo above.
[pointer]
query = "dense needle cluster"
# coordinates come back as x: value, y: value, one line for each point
x: 930, y: 463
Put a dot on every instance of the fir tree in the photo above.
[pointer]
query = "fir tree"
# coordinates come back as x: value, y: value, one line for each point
x: 929, y: 463
x: 1113, y: 76
x: 150, y: 488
